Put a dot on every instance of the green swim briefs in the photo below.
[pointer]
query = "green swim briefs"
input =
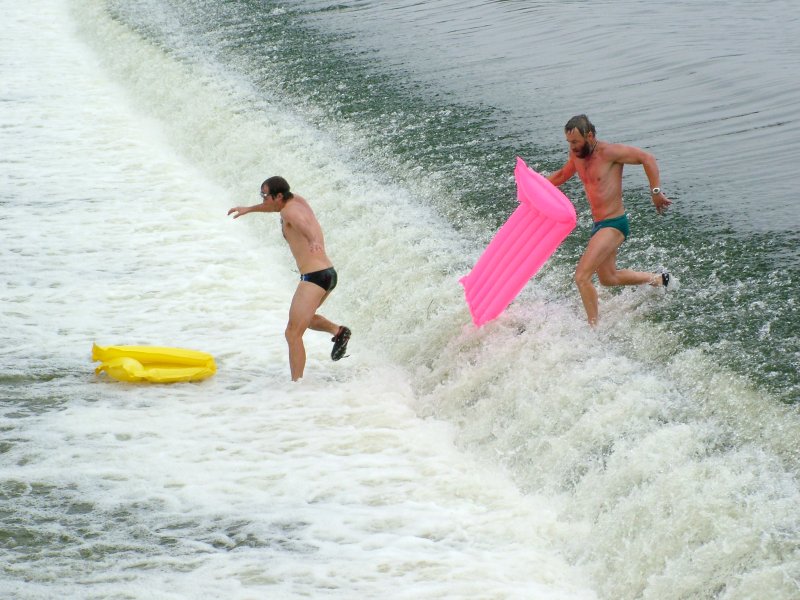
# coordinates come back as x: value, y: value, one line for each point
x: 618, y: 223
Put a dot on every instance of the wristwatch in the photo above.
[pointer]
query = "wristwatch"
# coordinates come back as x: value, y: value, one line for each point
x: 655, y: 191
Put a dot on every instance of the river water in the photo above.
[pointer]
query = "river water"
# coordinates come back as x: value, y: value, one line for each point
x: 656, y: 457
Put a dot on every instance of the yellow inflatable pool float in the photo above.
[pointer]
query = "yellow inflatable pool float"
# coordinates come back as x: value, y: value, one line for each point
x: 153, y: 363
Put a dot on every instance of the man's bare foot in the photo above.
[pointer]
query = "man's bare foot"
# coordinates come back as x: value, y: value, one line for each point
x: 660, y: 279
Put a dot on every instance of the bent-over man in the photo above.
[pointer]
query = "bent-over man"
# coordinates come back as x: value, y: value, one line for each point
x: 318, y: 278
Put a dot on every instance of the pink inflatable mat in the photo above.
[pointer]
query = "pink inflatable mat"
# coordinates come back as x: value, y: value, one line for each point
x: 543, y: 219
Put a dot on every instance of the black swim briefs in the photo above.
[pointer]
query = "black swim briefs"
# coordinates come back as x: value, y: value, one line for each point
x: 326, y: 279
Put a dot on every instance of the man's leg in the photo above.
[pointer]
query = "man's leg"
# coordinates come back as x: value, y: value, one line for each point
x: 601, y: 251
x: 305, y: 303
x: 601, y: 258
x: 609, y: 275
x: 320, y: 323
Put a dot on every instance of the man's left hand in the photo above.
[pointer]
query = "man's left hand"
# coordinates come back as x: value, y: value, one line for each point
x: 661, y: 202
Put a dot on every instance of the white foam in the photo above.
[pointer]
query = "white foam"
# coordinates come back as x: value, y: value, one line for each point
x: 244, y: 484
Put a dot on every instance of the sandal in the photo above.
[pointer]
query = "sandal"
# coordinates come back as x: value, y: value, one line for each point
x: 340, y: 343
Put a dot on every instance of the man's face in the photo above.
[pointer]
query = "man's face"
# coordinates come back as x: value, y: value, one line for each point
x: 268, y: 198
x: 580, y: 146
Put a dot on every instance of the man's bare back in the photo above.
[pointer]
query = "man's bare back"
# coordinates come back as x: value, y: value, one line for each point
x: 304, y: 236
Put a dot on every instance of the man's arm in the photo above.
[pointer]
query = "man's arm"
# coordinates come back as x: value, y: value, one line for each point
x: 243, y: 210
x: 630, y: 155
x: 563, y: 174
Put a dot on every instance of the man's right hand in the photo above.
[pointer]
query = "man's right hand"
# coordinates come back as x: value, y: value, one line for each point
x: 239, y: 210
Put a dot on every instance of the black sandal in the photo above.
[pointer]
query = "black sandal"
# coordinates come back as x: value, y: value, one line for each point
x: 340, y: 343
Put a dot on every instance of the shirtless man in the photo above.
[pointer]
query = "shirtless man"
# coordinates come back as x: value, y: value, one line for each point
x: 317, y: 276
x: 599, y: 165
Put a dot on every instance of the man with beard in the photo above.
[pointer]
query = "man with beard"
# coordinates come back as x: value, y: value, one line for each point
x: 599, y: 165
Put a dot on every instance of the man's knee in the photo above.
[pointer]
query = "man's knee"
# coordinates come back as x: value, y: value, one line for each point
x: 583, y: 277
x: 294, y: 331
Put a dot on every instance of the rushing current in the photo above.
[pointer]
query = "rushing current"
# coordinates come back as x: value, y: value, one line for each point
x: 656, y: 457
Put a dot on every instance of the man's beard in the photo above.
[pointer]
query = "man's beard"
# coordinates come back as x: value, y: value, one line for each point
x: 585, y: 150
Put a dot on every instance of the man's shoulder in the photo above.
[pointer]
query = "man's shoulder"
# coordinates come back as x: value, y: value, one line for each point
x: 296, y: 208
x: 294, y: 205
x: 624, y: 153
x: 298, y: 203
